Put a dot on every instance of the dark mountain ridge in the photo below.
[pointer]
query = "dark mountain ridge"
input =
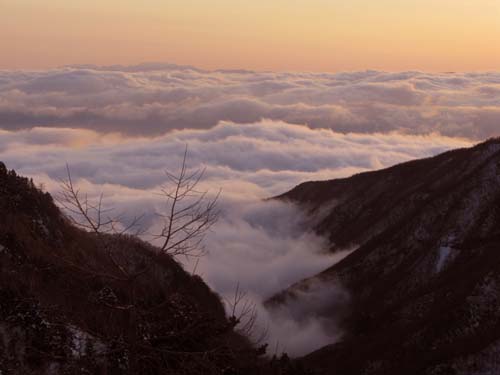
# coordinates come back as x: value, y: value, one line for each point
x: 425, y: 278
x: 75, y: 303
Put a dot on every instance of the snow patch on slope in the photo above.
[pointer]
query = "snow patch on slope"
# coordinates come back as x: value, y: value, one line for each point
x: 443, y: 255
x: 446, y: 252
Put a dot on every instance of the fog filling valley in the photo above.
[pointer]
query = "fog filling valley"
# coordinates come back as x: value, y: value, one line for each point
x: 257, y: 135
x: 263, y: 246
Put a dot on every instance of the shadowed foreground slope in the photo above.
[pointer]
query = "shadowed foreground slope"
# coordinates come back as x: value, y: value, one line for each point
x: 425, y: 279
x: 71, y: 302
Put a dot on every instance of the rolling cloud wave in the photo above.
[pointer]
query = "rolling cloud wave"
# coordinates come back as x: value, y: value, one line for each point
x: 152, y: 99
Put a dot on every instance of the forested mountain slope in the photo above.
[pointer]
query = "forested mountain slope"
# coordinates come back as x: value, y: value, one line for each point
x: 425, y: 278
x: 73, y: 302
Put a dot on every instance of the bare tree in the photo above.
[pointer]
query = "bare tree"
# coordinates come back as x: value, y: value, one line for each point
x: 243, y: 316
x: 90, y: 214
x: 189, y: 212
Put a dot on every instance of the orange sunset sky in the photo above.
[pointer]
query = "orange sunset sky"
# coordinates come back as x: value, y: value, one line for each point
x: 300, y: 35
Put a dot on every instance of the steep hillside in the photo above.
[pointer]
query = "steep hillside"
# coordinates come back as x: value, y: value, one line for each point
x: 75, y: 303
x: 425, y: 278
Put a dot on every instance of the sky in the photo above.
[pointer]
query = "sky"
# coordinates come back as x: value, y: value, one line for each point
x: 278, y: 35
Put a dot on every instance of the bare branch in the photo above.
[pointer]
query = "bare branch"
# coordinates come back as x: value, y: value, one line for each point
x: 189, y: 213
x: 243, y: 316
x: 92, y: 216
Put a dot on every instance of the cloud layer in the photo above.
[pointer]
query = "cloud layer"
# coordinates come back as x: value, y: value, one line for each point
x: 251, y: 160
x: 152, y: 99
x: 119, y: 128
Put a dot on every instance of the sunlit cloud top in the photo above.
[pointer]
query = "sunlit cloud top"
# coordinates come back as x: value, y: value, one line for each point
x: 154, y: 99
x: 313, y: 35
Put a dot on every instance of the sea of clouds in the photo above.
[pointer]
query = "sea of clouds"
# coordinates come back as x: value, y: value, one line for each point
x: 258, y: 134
x: 151, y: 99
